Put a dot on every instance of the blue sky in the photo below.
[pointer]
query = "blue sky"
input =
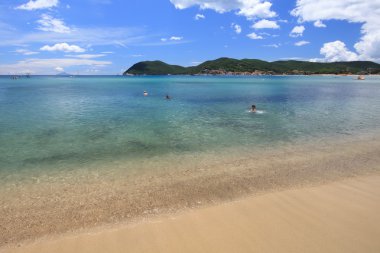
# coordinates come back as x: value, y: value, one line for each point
x: 108, y: 36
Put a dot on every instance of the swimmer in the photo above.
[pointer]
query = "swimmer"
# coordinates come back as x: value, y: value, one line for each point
x: 253, y: 108
x: 167, y: 97
x: 145, y: 93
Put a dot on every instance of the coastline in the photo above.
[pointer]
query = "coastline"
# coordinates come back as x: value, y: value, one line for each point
x: 50, y: 208
x: 336, y: 217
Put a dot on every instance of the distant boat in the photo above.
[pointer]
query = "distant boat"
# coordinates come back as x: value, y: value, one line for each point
x: 361, y: 77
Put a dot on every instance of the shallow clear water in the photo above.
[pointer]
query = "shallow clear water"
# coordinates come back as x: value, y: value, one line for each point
x: 50, y: 123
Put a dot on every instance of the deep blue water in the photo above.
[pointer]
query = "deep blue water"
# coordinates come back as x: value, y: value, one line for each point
x: 55, y: 122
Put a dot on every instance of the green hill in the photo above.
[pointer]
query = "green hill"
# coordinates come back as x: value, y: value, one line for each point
x: 155, y: 68
x: 246, y: 66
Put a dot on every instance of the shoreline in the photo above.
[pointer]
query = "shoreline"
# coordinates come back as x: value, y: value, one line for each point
x: 339, y: 216
x: 49, y: 208
x: 196, y: 75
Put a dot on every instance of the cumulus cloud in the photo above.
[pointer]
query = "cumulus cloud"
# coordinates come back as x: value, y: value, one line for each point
x: 319, y: 24
x: 38, y: 4
x: 199, y: 16
x: 366, y: 12
x: 264, y: 23
x: 49, y: 24
x: 254, y: 36
x: 301, y: 43
x: 337, y: 51
x: 297, y: 31
x: 236, y: 27
x: 63, y: 47
x: 250, y: 9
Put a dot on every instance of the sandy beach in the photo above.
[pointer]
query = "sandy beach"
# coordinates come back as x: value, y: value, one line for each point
x: 74, y: 203
x: 337, y: 217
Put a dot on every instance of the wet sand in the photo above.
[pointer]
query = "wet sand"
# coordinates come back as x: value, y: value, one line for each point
x: 74, y: 203
x: 338, y: 217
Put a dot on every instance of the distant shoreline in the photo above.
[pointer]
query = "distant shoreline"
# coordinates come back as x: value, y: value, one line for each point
x: 195, y: 75
x: 230, y: 66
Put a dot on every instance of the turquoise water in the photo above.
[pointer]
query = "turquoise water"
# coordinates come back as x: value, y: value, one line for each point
x: 58, y: 122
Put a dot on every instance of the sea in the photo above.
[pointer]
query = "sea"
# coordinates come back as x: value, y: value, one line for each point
x: 51, y: 123
x: 87, y: 151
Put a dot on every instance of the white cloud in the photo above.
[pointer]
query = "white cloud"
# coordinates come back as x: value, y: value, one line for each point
x: 269, y: 35
x: 273, y: 45
x: 38, y: 4
x: 301, y: 43
x: 86, y: 56
x: 49, y: 24
x: 337, y: 51
x: 63, y: 47
x: 264, y: 23
x: 254, y: 36
x: 366, y: 12
x: 250, y: 9
x: 297, y: 31
x: 319, y: 24
x: 48, y: 66
x: 236, y: 27
x: 199, y: 16
x: 59, y: 69
x: 175, y: 38
x: 25, y: 52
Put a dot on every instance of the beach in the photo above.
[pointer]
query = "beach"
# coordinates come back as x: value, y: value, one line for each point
x: 97, y: 202
x: 337, y: 217
x: 92, y: 154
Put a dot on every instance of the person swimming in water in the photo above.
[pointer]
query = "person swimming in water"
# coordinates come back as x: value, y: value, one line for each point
x: 145, y: 93
x: 167, y: 97
x: 253, y: 108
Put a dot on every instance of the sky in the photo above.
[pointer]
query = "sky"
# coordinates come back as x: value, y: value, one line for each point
x: 108, y: 36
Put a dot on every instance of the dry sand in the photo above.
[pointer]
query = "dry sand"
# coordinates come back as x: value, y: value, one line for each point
x: 338, y: 217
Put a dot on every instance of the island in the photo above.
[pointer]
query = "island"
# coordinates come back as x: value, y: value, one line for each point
x: 229, y: 66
